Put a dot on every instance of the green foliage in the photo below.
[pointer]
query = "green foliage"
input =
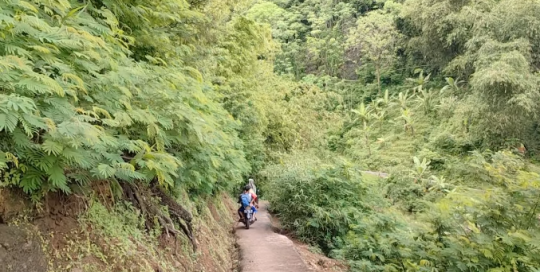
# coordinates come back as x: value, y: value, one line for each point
x: 445, y: 206
x: 375, y: 38
x: 311, y: 33
x: 484, y: 43
x: 493, y: 51
x: 318, y: 201
x: 451, y: 227
x: 464, y: 81
x: 83, y: 101
x: 199, y: 94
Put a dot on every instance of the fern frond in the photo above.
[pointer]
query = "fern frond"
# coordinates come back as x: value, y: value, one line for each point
x: 52, y: 148
x: 8, y: 121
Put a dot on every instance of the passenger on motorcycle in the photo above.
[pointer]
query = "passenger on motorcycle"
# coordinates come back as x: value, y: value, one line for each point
x: 251, y: 183
x: 253, y: 190
x: 255, y: 202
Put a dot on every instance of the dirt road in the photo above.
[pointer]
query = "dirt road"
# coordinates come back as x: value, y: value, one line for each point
x: 263, y: 250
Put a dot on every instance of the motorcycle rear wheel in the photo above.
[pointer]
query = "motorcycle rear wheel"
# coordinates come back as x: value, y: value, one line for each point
x: 247, y: 222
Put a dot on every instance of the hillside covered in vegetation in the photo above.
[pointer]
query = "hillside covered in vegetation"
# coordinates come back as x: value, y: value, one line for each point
x: 149, y: 111
x: 442, y: 96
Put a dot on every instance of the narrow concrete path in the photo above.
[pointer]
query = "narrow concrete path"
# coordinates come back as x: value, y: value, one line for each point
x: 378, y: 174
x: 263, y: 250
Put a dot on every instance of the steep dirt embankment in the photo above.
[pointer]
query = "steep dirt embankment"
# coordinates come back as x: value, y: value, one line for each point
x: 94, y: 233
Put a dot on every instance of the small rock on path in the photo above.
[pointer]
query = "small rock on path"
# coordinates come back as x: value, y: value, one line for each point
x: 263, y: 250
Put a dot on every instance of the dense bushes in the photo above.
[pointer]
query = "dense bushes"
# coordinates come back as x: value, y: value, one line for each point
x: 318, y: 201
x: 431, y: 226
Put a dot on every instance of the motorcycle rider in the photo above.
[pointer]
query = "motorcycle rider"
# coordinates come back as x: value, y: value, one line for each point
x: 247, y: 197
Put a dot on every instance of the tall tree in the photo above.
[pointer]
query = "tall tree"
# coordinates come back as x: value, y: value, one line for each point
x: 374, y: 40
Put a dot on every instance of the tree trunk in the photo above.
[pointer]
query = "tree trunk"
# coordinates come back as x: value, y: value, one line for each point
x: 367, y: 144
x: 378, y: 72
x: 366, y: 138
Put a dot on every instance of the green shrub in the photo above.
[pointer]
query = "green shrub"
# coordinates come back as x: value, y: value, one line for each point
x: 319, y: 203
